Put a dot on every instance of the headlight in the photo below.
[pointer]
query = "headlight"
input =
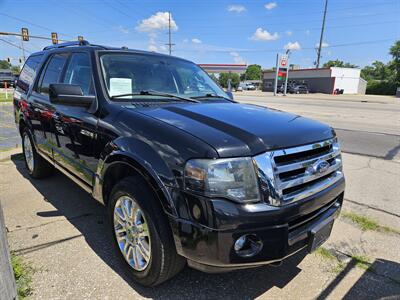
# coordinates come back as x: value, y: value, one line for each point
x: 232, y: 178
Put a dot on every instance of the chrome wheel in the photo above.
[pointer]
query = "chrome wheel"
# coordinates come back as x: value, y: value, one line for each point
x: 28, y: 153
x: 132, y: 233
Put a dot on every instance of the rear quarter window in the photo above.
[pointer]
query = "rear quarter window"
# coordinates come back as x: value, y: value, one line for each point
x: 28, y: 72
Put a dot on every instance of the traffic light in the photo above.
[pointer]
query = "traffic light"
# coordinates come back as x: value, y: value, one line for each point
x: 25, y: 34
x: 54, y: 38
x: 8, y: 60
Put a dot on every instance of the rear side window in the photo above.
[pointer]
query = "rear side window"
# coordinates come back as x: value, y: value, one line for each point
x: 52, y: 73
x: 79, y: 72
x: 28, y: 72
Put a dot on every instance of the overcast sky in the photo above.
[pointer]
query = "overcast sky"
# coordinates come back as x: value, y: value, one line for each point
x: 218, y: 31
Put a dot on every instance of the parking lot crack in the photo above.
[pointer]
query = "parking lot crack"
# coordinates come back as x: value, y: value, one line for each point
x: 55, y: 221
x: 373, y: 208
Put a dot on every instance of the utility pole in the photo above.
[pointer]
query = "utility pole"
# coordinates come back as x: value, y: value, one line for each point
x: 169, y: 34
x: 276, y: 75
x: 23, y: 51
x: 322, y: 34
x: 287, y: 72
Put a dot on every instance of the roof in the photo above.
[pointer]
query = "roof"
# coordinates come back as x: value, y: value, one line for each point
x: 309, y: 69
x: 297, y: 70
x: 219, y: 68
x: 85, y: 45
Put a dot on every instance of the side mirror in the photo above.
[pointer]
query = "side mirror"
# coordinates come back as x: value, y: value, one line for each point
x: 69, y: 94
x: 230, y: 94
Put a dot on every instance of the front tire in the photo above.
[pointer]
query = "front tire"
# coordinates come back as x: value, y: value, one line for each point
x: 37, y: 166
x: 141, y: 233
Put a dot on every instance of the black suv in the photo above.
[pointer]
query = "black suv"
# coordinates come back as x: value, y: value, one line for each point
x: 187, y: 174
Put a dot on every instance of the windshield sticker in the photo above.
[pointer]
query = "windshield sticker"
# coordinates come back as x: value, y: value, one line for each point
x: 120, y: 86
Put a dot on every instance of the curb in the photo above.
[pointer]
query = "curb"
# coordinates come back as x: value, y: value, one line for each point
x: 376, y: 99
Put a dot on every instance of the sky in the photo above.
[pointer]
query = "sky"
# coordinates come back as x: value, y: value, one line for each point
x: 219, y: 31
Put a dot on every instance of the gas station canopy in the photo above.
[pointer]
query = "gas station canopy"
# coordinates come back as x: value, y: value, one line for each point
x: 224, y: 68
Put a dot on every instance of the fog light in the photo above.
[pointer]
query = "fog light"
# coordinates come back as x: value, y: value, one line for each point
x: 240, y: 243
x: 248, y: 245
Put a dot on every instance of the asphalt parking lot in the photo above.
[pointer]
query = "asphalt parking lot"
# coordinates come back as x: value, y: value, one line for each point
x: 61, y: 231
x: 9, y: 137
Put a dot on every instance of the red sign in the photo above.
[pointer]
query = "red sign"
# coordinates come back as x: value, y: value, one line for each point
x: 283, y: 61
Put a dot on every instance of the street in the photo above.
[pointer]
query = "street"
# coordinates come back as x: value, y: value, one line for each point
x: 366, y: 128
x: 62, y: 231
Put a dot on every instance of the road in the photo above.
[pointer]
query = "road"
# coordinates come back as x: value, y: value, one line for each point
x: 371, y: 129
x: 366, y: 128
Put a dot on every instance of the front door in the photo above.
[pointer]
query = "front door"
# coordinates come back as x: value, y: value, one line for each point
x: 75, y: 127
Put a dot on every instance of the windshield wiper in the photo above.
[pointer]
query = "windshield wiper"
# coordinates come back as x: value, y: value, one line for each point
x: 210, y: 96
x: 154, y: 93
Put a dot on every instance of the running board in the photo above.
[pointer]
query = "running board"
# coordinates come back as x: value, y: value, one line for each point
x: 79, y: 182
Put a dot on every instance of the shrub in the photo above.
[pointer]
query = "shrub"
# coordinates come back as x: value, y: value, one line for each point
x: 378, y: 87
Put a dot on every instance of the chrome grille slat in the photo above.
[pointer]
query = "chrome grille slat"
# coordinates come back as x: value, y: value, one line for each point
x: 296, y: 173
x: 315, y: 188
x: 301, y: 179
x: 303, y: 148
x: 305, y: 163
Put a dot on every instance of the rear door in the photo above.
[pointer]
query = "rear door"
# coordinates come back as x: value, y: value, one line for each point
x: 41, y: 106
x: 25, y: 81
x: 75, y: 127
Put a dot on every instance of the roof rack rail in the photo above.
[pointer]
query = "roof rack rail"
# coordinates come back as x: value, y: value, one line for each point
x: 68, y: 44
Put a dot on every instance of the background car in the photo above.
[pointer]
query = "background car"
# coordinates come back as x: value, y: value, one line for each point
x: 247, y: 86
x: 297, y: 89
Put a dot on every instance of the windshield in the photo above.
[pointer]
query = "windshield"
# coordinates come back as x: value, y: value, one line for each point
x: 133, y: 73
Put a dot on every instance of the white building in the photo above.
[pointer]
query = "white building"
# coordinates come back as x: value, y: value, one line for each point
x: 324, y: 80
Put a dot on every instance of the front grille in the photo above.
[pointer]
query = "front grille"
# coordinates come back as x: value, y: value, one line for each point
x: 292, y: 174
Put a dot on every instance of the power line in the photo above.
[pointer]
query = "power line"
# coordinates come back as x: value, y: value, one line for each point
x: 308, y: 13
x: 228, y: 50
x: 33, y: 24
x: 14, y: 45
x: 81, y: 12
x: 310, y: 28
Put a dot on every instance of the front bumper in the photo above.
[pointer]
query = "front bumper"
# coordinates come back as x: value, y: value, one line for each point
x: 208, y: 242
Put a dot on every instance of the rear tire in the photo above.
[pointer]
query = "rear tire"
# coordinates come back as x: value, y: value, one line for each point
x: 37, y: 166
x: 163, y: 262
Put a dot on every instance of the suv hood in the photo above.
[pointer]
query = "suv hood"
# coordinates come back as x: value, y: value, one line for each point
x: 239, y: 129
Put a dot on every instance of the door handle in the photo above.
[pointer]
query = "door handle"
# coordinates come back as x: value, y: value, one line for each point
x: 56, y: 117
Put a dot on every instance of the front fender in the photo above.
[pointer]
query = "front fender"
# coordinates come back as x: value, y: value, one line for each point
x: 144, y: 159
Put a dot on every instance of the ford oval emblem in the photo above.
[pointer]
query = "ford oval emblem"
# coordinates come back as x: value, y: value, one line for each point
x: 319, y: 167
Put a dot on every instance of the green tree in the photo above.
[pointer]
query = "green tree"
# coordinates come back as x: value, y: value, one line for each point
x: 395, y: 64
x: 378, y: 71
x: 213, y: 77
x: 338, y: 63
x: 15, y: 69
x: 4, y: 64
x: 368, y: 73
x: 383, y: 79
x: 224, y: 77
x: 253, y: 72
